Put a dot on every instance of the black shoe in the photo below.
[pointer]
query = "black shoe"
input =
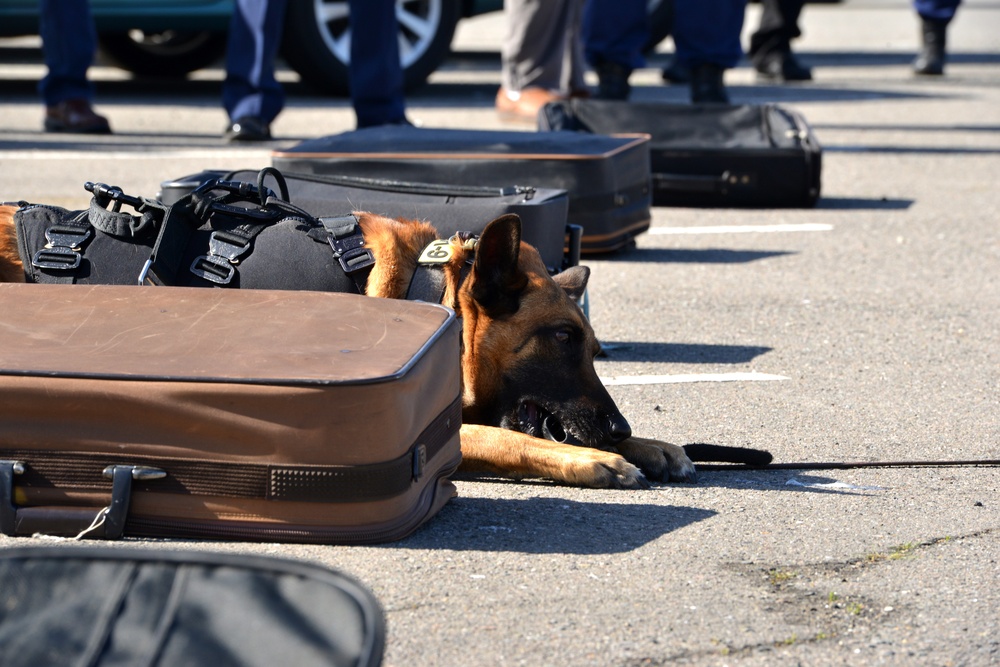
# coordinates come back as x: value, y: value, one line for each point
x: 75, y: 116
x: 707, y: 86
x: 676, y: 73
x: 612, y: 81
x: 930, y: 61
x: 782, y: 67
x: 247, y: 128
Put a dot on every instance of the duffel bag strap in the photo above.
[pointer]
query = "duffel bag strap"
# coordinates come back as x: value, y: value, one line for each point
x: 113, y: 221
x: 348, y: 245
x: 225, y: 247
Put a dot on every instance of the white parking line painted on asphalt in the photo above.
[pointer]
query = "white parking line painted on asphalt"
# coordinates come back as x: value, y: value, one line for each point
x: 691, y: 377
x: 744, y: 229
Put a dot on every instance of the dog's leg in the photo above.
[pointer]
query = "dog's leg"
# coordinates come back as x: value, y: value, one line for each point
x: 491, y: 449
x: 660, y: 461
x: 11, y: 270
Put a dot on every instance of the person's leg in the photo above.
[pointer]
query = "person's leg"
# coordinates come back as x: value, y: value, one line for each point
x: 68, y: 45
x: 707, y: 41
x: 935, y: 15
x: 375, y: 72
x: 251, y: 95
x: 770, y: 45
x: 534, y: 56
x: 614, y: 34
x: 574, y: 65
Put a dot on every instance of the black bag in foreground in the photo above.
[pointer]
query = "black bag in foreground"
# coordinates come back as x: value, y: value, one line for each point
x: 450, y: 208
x: 99, y: 606
x: 711, y: 154
x: 606, y: 177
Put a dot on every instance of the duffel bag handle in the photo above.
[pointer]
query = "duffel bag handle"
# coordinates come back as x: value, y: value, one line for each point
x: 723, y: 184
x: 106, y: 522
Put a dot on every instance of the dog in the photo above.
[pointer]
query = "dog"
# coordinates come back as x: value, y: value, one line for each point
x: 533, y: 404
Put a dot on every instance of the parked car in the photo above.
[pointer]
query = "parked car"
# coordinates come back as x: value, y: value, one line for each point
x: 174, y: 37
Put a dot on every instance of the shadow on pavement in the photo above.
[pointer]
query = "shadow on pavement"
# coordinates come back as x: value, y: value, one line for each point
x: 860, y: 203
x: 680, y: 353
x: 549, y: 526
x: 693, y: 256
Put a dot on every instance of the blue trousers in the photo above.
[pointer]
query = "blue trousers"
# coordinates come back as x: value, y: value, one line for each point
x: 376, y: 73
x: 708, y: 32
x: 68, y: 43
x: 250, y: 88
x: 615, y: 31
x: 936, y: 10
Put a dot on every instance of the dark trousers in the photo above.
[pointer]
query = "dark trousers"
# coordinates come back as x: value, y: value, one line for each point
x: 708, y: 32
x: 250, y: 88
x: 68, y: 42
x: 375, y: 72
x: 936, y: 10
x: 779, y: 25
x: 615, y: 31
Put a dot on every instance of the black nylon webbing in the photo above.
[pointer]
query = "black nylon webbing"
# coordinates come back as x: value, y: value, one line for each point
x: 313, y: 483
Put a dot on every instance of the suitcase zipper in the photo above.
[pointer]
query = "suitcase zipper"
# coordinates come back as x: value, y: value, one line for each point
x: 419, y: 188
x: 232, y: 530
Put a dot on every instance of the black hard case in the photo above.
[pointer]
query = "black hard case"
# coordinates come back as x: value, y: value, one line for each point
x: 710, y: 155
x: 450, y: 208
x: 607, y: 177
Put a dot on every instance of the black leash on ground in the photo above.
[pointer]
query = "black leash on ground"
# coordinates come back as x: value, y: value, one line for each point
x: 744, y: 458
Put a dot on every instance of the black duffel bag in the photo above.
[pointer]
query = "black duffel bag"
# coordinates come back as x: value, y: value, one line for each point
x: 107, y: 606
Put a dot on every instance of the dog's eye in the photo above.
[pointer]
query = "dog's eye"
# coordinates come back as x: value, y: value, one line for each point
x: 563, y: 336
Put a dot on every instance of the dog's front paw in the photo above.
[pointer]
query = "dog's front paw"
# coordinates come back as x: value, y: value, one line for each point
x: 659, y: 461
x: 600, y: 470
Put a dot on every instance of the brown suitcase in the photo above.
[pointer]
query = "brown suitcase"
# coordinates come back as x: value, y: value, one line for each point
x: 224, y: 414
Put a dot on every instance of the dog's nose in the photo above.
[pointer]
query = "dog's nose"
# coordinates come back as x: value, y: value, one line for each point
x: 618, y: 428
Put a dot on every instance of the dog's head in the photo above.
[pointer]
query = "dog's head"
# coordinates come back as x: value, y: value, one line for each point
x: 528, y: 357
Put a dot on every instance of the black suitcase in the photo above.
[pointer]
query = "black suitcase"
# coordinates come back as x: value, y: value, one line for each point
x: 607, y: 177
x: 98, y: 606
x: 450, y: 208
x: 710, y: 155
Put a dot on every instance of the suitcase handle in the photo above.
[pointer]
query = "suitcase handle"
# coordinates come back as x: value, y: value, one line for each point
x: 106, y: 522
x: 687, y: 184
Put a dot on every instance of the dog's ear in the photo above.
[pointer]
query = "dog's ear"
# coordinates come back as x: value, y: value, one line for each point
x: 574, y: 281
x: 497, y: 282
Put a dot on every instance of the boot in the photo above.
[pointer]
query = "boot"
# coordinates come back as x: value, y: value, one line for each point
x: 930, y: 60
x: 707, y: 86
x: 612, y: 81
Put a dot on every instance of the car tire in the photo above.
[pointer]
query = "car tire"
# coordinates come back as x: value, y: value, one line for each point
x: 170, y: 53
x: 316, y: 41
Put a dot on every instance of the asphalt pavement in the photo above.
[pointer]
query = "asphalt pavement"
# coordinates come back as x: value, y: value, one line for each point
x: 869, y: 327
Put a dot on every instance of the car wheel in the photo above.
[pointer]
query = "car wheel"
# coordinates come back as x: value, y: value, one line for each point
x: 661, y: 22
x: 317, y: 40
x: 169, y: 53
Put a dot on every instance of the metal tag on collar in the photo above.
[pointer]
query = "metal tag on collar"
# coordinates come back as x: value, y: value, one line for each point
x: 436, y: 252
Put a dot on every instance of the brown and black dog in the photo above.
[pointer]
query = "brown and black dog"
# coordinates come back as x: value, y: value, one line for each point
x: 527, y: 358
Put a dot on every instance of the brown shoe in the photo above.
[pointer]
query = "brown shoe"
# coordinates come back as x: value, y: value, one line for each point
x: 524, y: 106
x: 75, y: 116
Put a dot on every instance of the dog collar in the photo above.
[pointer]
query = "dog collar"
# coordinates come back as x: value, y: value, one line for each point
x: 429, y: 280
